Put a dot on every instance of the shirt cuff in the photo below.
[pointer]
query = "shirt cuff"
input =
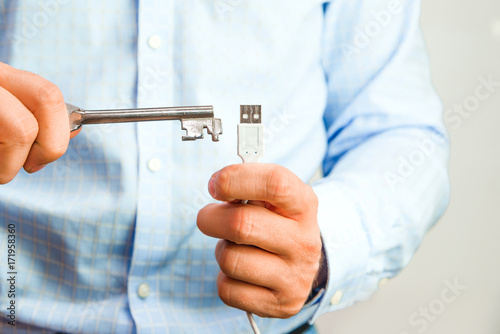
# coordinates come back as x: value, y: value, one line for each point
x: 346, y: 245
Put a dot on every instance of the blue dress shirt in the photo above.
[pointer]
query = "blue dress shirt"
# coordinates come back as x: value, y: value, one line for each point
x: 106, y: 236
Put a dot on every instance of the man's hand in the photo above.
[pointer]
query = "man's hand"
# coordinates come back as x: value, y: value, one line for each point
x: 34, y: 125
x: 270, y: 250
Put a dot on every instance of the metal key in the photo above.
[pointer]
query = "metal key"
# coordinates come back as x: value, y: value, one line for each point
x: 193, y: 119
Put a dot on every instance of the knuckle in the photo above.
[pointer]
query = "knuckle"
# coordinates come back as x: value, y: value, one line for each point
x: 224, y: 291
x: 25, y: 131
x: 315, y: 266
x: 53, y: 152
x: 228, y: 262
x: 296, y: 308
x: 285, y: 310
x: 311, y: 246
x: 223, y: 182
x: 242, y: 224
x: 279, y: 184
x: 313, y: 200
x: 49, y: 94
x: 290, y: 310
x: 56, y: 152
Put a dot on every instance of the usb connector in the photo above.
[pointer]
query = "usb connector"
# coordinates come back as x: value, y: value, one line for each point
x: 251, y: 149
x: 250, y: 134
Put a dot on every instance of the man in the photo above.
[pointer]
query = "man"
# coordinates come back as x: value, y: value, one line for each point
x: 110, y: 237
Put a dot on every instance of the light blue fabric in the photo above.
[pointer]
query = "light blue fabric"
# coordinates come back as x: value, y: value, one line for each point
x: 344, y: 85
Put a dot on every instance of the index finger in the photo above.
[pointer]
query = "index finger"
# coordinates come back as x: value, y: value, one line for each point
x: 263, y: 182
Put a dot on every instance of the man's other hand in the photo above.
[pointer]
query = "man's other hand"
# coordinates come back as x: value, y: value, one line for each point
x: 270, y: 249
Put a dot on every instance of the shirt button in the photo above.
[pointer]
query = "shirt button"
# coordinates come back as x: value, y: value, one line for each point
x: 143, y: 291
x: 154, y: 41
x: 154, y: 165
x: 337, y: 297
x: 383, y: 282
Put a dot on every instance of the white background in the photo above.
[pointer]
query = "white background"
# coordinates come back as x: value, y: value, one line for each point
x: 463, y: 39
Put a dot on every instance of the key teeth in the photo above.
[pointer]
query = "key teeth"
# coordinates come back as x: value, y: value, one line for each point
x: 189, y: 138
x: 194, y: 128
x: 216, y: 130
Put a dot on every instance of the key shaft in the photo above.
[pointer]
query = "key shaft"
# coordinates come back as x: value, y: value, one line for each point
x: 193, y: 119
x: 147, y: 114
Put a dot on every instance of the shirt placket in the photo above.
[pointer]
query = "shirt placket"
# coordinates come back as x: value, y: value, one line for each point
x: 154, y: 88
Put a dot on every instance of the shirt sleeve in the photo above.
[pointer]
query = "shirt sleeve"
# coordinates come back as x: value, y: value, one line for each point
x: 385, y: 170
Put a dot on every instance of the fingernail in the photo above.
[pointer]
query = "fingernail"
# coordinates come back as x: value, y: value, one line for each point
x: 211, y: 186
x: 36, y: 168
